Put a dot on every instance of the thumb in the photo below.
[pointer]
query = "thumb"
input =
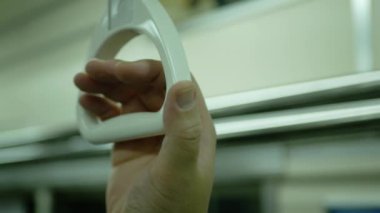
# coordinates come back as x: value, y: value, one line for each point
x: 182, y: 122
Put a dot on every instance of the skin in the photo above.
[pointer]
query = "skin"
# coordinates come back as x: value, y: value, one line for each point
x: 169, y: 173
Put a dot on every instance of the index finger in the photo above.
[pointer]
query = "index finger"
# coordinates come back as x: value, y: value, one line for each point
x: 139, y: 73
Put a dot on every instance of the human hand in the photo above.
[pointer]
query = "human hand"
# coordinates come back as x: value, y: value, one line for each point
x: 169, y: 173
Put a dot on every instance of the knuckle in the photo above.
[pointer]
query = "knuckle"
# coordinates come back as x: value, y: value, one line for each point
x: 189, y: 138
x: 190, y: 133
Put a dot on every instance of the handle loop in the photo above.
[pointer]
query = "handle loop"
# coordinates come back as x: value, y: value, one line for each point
x: 125, y: 20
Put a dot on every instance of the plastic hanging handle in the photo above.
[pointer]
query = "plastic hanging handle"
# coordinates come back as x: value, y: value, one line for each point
x: 125, y: 20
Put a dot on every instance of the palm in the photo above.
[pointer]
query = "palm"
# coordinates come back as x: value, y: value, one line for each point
x: 131, y: 161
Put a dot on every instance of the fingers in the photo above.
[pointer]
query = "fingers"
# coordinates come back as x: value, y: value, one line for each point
x: 100, y: 107
x: 183, y: 126
x: 137, y: 74
x: 102, y: 71
x: 141, y: 73
x: 123, y: 81
x: 87, y: 84
x: 116, y: 92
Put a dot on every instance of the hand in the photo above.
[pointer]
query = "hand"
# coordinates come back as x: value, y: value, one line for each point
x: 169, y: 173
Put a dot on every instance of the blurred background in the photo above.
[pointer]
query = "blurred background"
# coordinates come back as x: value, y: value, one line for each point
x: 291, y: 85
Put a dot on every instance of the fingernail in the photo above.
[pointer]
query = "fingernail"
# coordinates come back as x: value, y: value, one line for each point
x: 186, y: 98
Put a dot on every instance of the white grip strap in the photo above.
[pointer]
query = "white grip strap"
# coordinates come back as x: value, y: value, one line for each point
x: 125, y: 20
